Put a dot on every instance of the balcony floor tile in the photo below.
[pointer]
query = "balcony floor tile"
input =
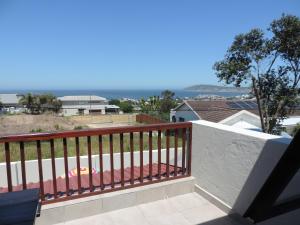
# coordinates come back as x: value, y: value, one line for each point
x: 184, y: 209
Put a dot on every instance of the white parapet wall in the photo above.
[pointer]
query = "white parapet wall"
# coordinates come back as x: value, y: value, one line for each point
x: 32, y: 174
x: 232, y: 164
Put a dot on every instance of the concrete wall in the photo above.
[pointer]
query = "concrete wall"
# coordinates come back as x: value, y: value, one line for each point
x: 232, y: 164
x: 32, y: 165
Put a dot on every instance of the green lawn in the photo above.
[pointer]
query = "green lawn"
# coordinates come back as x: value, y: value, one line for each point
x: 31, y: 153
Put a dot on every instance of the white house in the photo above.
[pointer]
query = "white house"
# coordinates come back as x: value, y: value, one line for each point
x: 86, y: 104
x: 237, y: 113
x: 243, y: 114
x: 10, y: 103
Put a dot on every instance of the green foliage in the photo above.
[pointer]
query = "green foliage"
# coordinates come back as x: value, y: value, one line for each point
x: 37, y: 104
x: 78, y: 127
x: 38, y: 130
x: 159, y: 106
x: 114, y: 102
x: 167, y: 103
x: 126, y: 107
x: 271, y: 65
x: 152, y: 105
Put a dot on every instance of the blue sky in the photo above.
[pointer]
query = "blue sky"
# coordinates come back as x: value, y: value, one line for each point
x: 72, y: 44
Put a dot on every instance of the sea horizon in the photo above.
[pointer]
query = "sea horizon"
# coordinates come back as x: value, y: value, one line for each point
x: 119, y: 93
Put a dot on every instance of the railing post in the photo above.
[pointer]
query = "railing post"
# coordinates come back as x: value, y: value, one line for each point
x: 101, y: 162
x: 175, y: 152
x: 183, y: 135
x: 150, y: 155
x: 22, y: 154
x: 112, y: 170
x: 189, y: 151
x: 141, y: 158
x: 66, y: 165
x: 131, y: 159
x: 40, y: 165
x: 90, y: 163
x: 122, y: 158
x: 53, y: 167
x: 8, y: 167
x: 78, y: 165
x: 159, y: 153
x: 168, y: 153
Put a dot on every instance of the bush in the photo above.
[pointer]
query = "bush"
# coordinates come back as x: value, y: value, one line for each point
x: 78, y: 127
x: 37, y: 130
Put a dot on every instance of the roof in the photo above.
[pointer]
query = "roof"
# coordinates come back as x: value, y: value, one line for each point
x: 291, y: 121
x: 82, y: 98
x: 92, y: 107
x: 9, y: 98
x: 215, y: 111
x: 246, y: 125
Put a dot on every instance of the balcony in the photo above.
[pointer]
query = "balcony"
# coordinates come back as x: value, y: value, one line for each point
x: 179, y: 173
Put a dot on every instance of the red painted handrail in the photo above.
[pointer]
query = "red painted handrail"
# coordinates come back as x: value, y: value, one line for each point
x: 64, y: 188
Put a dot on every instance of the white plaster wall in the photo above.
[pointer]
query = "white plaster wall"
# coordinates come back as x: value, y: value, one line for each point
x: 233, y: 163
x: 69, y: 112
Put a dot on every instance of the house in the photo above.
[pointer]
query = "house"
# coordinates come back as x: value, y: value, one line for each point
x: 10, y: 103
x: 242, y: 114
x: 237, y: 113
x: 86, y: 104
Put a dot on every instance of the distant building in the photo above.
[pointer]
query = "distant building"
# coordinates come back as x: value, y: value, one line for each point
x: 10, y: 103
x: 237, y: 113
x: 86, y: 104
x: 243, y: 114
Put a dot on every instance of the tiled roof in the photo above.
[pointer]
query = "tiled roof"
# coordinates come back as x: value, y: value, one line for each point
x: 215, y: 111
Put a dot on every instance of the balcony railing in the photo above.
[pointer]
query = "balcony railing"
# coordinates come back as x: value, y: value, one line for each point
x: 158, y: 166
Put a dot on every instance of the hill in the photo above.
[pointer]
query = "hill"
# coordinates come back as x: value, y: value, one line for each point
x: 215, y: 88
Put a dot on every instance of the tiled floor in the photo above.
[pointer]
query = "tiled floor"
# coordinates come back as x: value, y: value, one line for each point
x: 181, y: 210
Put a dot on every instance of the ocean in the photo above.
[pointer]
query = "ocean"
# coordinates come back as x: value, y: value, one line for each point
x: 118, y: 94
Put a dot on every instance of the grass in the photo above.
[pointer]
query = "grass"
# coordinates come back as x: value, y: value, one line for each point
x: 31, y: 153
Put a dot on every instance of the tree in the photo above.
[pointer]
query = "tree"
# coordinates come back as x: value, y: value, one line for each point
x: 126, y: 107
x: 272, y: 67
x: 29, y: 101
x: 167, y: 103
x: 37, y: 104
x: 152, y: 105
x: 114, y: 102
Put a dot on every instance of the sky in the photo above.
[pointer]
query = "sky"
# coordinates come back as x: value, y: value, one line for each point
x: 132, y: 44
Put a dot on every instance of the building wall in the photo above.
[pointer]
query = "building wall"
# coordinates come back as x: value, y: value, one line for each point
x: 184, y: 112
x: 233, y: 164
x: 70, y: 112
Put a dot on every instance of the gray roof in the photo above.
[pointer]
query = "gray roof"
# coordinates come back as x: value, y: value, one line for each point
x: 95, y: 107
x: 82, y: 98
x: 9, y: 98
